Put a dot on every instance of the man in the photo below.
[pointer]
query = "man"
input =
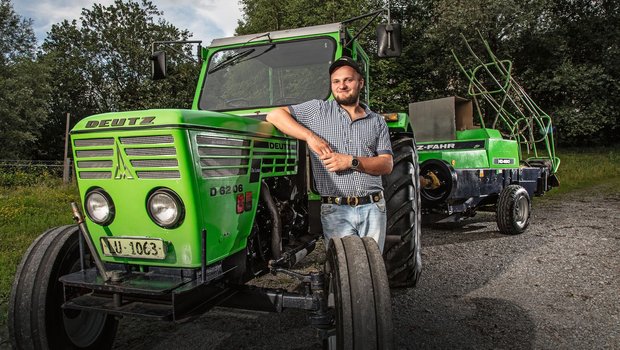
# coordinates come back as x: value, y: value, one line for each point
x: 351, y: 149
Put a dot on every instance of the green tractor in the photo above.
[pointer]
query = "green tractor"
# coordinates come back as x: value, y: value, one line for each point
x: 184, y: 207
x: 497, y: 164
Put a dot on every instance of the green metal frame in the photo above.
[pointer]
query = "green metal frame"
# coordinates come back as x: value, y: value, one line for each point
x: 493, y: 89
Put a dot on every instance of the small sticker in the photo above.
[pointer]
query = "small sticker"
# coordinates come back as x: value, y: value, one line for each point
x: 503, y: 161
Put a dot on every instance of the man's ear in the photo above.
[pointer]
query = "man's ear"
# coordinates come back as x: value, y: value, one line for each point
x: 361, y: 83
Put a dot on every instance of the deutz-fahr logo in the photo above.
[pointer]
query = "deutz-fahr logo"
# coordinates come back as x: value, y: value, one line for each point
x: 451, y: 145
x: 116, y: 122
x: 436, y: 146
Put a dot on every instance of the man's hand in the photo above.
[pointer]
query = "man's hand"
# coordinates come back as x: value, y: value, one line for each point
x: 336, y: 161
x: 318, y: 145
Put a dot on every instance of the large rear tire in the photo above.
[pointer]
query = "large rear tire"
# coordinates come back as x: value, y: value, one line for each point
x: 36, y: 320
x: 513, y: 210
x: 359, y: 295
x: 402, y: 244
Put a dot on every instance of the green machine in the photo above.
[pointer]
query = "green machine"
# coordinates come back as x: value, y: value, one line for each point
x: 497, y: 164
x: 183, y: 207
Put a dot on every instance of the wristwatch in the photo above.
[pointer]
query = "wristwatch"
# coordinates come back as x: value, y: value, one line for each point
x: 355, y: 163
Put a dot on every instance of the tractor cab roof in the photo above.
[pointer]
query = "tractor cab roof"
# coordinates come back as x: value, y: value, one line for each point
x: 280, y: 34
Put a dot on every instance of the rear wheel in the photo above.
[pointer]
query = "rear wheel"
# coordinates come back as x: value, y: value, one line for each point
x: 358, y: 294
x: 513, y: 210
x: 402, y: 243
x: 36, y: 320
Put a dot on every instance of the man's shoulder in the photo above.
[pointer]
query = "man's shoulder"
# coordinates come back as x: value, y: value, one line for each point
x: 312, y: 104
x: 374, y: 116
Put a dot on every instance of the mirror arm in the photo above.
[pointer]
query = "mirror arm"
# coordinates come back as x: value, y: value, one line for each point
x: 374, y: 16
x: 166, y: 43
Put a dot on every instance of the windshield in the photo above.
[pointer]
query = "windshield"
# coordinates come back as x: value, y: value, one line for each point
x: 268, y: 75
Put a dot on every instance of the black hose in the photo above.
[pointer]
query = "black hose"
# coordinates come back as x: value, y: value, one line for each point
x: 276, y: 227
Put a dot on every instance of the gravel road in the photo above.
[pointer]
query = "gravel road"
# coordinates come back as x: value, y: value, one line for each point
x: 557, y: 286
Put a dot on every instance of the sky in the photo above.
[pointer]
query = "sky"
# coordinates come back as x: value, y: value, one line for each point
x: 205, y: 19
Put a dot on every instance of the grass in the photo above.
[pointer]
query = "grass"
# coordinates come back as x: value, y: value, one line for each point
x: 583, y: 168
x: 25, y: 213
x: 31, y: 204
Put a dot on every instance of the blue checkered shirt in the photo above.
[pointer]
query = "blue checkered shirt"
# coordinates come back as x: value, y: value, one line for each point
x: 364, y: 137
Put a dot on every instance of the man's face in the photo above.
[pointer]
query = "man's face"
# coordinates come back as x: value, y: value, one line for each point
x: 346, y: 85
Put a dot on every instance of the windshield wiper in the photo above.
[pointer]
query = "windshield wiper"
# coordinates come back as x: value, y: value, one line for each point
x: 230, y: 60
x: 271, y: 47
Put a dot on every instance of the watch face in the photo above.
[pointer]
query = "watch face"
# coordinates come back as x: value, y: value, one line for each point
x: 355, y: 162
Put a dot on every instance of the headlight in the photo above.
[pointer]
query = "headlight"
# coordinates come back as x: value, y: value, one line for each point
x: 99, y: 207
x: 165, y: 208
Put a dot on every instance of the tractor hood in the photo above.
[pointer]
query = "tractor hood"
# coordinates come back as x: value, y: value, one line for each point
x: 173, y: 118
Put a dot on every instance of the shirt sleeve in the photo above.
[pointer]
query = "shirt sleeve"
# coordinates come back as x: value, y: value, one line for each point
x: 305, y: 112
x: 384, y: 145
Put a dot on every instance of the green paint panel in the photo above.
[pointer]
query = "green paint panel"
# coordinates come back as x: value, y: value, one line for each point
x: 473, y: 149
x: 208, y: 159
x: 402, y: 124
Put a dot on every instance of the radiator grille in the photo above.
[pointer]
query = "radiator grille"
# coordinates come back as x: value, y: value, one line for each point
x: 154, y: 151
x: 95, y: 174
x: 145, y: 157
x: 94, y: 164
x: 147, y: 140
x: 223, y: 156
x: 95, y: 153
x: 94, y: 142
x: 171, y: 174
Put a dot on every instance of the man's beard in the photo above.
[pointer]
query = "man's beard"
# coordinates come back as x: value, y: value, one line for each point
x: 350, y: 100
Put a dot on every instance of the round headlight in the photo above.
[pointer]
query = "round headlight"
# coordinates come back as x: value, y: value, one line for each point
x: 99, y: 207
x: 165, y: 208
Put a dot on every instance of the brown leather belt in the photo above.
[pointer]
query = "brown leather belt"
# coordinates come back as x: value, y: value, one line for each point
x: 353, y: 201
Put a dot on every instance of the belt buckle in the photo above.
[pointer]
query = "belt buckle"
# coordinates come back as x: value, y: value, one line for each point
x: 355, y: 202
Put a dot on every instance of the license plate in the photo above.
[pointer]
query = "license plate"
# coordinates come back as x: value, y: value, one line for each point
x: 143, y: 248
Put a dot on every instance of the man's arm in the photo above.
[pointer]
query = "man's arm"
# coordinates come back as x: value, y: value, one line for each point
x: 378, y: 165
x: 282, y: 119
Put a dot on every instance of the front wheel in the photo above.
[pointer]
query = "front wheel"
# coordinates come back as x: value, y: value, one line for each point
x: 358, y: 293
x: 36, y: 319
x: 513, y: 210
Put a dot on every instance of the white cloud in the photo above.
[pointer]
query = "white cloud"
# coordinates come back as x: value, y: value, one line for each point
x: 206, y: 19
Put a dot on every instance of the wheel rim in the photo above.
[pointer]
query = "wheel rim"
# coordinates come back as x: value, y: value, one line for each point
x: 331, y: 340
x: 82, y: 327
x: 522, y: 211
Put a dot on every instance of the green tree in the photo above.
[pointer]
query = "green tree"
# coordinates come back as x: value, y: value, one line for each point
x: 23, y: 91
x: 270, y: 15
x: 101, y: 64
x: 571, y: 62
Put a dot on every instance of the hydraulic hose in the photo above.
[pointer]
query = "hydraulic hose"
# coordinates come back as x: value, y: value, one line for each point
x: 276, y: 226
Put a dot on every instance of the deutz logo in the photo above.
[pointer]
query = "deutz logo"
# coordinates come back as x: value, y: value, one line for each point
x: 273, y: 145
x: 119, y: 122
x: 122, y: 171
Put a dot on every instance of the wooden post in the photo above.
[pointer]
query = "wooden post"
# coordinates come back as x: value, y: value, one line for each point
x: 66, y: 177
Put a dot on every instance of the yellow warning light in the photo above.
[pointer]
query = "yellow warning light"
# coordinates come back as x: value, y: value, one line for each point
x: 390, y: 117
x: 453, y: 162
x: 481, y: 173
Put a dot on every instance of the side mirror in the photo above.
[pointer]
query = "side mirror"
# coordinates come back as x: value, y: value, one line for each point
x: 389, y: 42
x: 158, y: 65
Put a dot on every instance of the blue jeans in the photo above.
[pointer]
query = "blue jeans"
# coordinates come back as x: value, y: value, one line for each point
x: 362, y: 220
